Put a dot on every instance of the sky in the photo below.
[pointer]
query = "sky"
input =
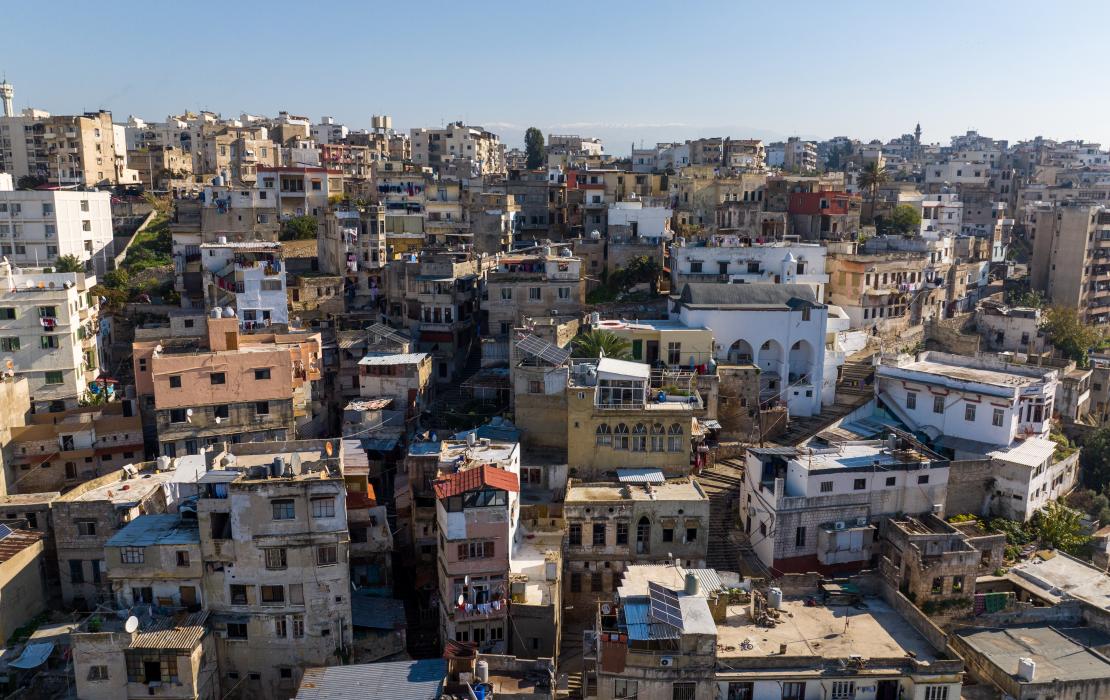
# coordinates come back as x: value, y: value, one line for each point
x: 624, y: 71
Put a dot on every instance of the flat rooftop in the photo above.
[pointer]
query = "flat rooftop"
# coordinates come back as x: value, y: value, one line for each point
x: 874, y: 632
x: 650, y: 325
x: 493, y: 452
x: 862, y: 453
x: 971, y: 374
x: 156, y: 529
x: 685, y: 489
x: 1055, y: 652
x: 1061, y: 576
x: 128, y: 491
x: 29, y: 499
x: 530, y: 557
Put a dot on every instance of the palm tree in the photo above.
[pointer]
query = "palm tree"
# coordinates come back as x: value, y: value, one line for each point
x: 873, y: 177
x: 599, y: 343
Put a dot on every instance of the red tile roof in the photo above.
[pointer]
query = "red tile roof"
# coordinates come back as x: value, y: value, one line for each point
x: 476, y: 478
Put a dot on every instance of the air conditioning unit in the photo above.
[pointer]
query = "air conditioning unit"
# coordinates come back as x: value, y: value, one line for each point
x: 861, y: 522
x: 666, y: 661
x: 839, y: 524
x: 938, y: 508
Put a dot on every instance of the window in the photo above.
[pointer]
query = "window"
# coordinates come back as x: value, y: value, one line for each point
x: 911, y: 400
x: 891, y: 480
x: 298, y: 626
x: 622, y: 533
x: 280, y: 629
x: 175, y: 381
x: 327, y: 554
x: 969, y: 412
x: 599, y: 535
x: 936, y: 692
x: 276, y: 557
x: 76, y: 571
x: 273, y: 595
x: 674, y: 353
x: 800, y: 537
x: 178, y: 415
x: 131, y: 555
x: 574, y: 535
x: 597, y: 582
x: 674, y: 439
x: 684, y: 691
x: 938, y: 404
x: 221, y: 411
x: 535, y: 386
x: 859, y: 484
x: 938, y: 585
x: 741, y: 690
x: 7, y: 313
x: 843, y: 690
x: 323, y: 507
x: 922, y: 478
x: 236, y: 630
x: 533, y: 294
x: 793, y: 691
x: 507, y: 293
x: 997, y: 417
x: 564, y: 293
x: 604, y: 435
x: 98, y: 673
x: 9, y: 344
x: 283, y: 509
x: 262, y: 373
x: 668, y: 534
x: 957, y: 584
x: 218, y: 378
x: 639, y: 438
x: 477, y: 550
x: 620, y: 437
x: 262, y: 408
x: 575, y: 582
x: 48, y: 342
x: 182, y: 558
x: 151, y: 667
x: 86, y: 528
x: 826, y: 487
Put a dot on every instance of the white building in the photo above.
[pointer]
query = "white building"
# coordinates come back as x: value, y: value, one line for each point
x: 298, y: 190
x: 39, y: 226
x: 47, y: 334
x: 725, y: 258
x: 248, y: 276
x: 942, y: 215
x: 814, y: 508
x: 970, y: 405
x: 328, y: 131
x: 653, y: 223
x: 778, y: 327
x: 958, y: 172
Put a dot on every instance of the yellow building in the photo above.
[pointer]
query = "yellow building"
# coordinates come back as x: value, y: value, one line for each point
x: 670, y: 342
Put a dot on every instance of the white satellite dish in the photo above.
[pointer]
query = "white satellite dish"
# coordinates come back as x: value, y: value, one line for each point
x: 219, y: 420
x: 131, y: 625
x: 188, y: 411
x: 295, y: 462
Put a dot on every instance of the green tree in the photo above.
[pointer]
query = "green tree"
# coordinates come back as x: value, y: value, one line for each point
x: 30, y: 182
x: 905, y: 220
x: 299, y: 228
x: 1069, y: 334
x: 638, y: 270
x: 1026, y: 298
x: 1094, y: 461
x: 1058, y: 526
x: 533, y: 145
x: 601, y: 343
x: 871, y: 179
x: 69, y: 263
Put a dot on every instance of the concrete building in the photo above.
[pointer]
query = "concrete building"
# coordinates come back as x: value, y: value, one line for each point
x: 437, y: 147
x: 352, y: 243
x: 234, y: 152
x: 58, y: 450
x: 533, y: 284
x: 405, y: 378
x: 725, y: 258
x: 299, y: 190
x: 162, y: 168
x: 642, y: 518
x: 15, y: 409
x: 622, y: 414
x: 476, y: 514
x: 815, y: 508
x: 1071, y: 257
x: 779, y: 327
x: 47, y: 333
x: 225, y: 386
x: 22, y: 577
x: 39, y: 226
x: 824, y: 215
x: 249, y: 277
x: 77, y: 150
x: 799, y: 156
x: 274, y: 539
x: 1010, y: 329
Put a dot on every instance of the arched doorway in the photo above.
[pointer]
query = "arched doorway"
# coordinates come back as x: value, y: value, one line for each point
x: 740, y: 353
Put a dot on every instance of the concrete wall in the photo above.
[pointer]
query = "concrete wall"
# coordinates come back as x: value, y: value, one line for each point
x: 969, y: 489
x: 15, y: 404
x: 22, y: 588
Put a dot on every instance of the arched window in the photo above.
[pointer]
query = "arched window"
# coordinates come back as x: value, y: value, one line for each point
x: 620, y: 437
x: 675, y: 438
x: 657, y: 440
x: 604, y: 435
x: 639, y: 438
x: 643, y: 535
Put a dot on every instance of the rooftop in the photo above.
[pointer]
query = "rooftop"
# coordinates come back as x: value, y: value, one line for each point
x: 156, y: 529
x: 649, y: 325
x: 531, y: 553
x: 125, y: 492
x: 853, y: 454
x: 684, y: 489
x: 875, y: 631
x: 484, y: 476
x: 1060, y: 576
x: 12, y: 542
x: 1057, y: 655
x: 1031, y: 452
x: 405, y: 358
x: 748, y: 296
x: 399, y: 680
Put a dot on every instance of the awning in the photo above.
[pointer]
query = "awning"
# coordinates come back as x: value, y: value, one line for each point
x: 33, y: 656
x: 711, y: 424
x: 645, y: 475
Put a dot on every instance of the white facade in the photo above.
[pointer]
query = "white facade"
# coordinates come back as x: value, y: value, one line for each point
x: 941, y: 215
x: 328, y: 131
x: 673, y: 156
x: 644, y: 222
x: 972, y: 403
x: 726, y: 259
x: 782, y: 334
x: 39, y: 226
x: 248, y: 276
x: 47, y: 333
x: 296, y: 190
x: 958, y: 173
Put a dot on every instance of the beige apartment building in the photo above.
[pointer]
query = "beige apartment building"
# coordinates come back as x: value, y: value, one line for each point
x: 160, y: 167
x: 437, y: 147
x: 1071, y: 257
x: 547, y: 283
x: 64, y: 150
x: 234, y: 153
x: 227, y: 386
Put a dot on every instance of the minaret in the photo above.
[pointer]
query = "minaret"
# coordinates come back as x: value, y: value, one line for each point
x: 7, y: 92
x: 917, y: 134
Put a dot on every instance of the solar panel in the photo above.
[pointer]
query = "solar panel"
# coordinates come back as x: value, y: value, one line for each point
x: 383, y: 331
x: 4, y: 531
x: 543, y: 349
x: 664, y: 605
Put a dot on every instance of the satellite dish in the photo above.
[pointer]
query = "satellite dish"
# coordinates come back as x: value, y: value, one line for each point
x: 131, y: 625
x: 188, y: 411
x: 606, y: 608
x: 219, y: 420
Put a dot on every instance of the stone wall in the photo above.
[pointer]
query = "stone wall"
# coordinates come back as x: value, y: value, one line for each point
x: 968, y: 487
x: 936, y: 637
x: 947, y: 335
x: 738, y: 402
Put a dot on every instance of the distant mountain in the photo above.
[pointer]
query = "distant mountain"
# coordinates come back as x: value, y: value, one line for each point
x: 619, y: 138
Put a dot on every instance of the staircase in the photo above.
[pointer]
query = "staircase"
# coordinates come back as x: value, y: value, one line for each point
x: 857, y: 376
x: 855, y: 387
x: 570, y: 662
x: 729, y: 547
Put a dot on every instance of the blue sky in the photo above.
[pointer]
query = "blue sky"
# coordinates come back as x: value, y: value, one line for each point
x: 624, y: 71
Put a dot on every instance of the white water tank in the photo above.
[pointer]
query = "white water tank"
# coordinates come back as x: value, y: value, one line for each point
x: 481, y: 670
x: 1027, y: 669
x: 774, y: 598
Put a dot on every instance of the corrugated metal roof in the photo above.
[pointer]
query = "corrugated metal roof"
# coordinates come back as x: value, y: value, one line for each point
x: 637, y: 619
x: 641, y: 476
x: 400, y: 680
x: 404, y: 358
x: 155, y: 529
x: 377, y: 613
x: 173, y: 633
